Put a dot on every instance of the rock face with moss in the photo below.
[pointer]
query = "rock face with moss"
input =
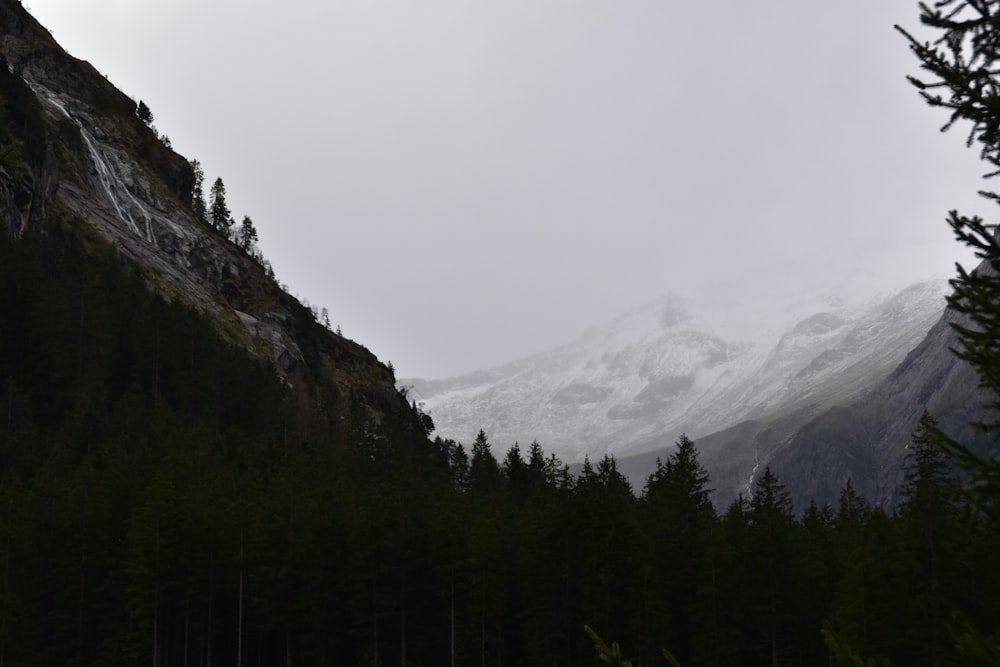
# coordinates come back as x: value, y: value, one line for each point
x: 93, y: 165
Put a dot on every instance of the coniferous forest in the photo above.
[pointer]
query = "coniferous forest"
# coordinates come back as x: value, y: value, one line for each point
x: 166, y: 498
x: 150, y: 516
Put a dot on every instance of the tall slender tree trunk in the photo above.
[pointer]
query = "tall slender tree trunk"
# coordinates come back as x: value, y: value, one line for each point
x: 451, y: 618
x: 482, y: 639
x: 79, y: 342
x: 211, y: 597
x: 156, y: 600
x: 716, y: 634
x: 374, y: 632
x: 6, y: 594
x: 774, y: 632
x: 402, y: 632
x: 187, y: 626
x: 646, y: 588
x: 6, y: 551
x: 83, y: 584
x: 932, y: 554
x: 239, y: 616
x: 154, y: 384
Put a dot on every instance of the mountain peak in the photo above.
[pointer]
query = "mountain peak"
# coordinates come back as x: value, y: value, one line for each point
x: 654, y: 372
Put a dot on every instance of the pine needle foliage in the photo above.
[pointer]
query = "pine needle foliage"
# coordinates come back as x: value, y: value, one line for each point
x: 961, y: 75
x: 842, y: 653
x: 613, y: 654
x: 981, y: 649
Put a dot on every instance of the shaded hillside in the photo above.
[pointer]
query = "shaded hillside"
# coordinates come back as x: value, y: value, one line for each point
x: 176, y: 426
x: 95, y: 167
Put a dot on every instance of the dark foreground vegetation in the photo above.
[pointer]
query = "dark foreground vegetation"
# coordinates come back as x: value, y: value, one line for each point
x: 158, y: 507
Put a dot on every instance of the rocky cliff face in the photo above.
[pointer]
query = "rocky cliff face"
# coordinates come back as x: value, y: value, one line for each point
x: 814, y: 450
x: 867, y: 440
x: 101, y: 169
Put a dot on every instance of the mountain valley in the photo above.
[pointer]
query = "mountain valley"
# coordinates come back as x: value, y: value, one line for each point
x: 197, y: 468
x: 631, y: 387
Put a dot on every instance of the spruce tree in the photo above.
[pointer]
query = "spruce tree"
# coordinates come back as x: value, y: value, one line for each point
x: 931, y: 525
x: 772, y: 550
x: 486, y: 547
x: 484, y: 470
x: 861, y: 552
x: 198, y: 191
x: 963, y: 78
x: 144, y: 113
x: 218, y: 209
x: 678, y: 521
x: 458, y: 463
x: 247, y: 238
x: 607, y: 556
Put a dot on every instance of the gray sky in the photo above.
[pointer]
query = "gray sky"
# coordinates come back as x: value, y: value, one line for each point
x: 464, y: 182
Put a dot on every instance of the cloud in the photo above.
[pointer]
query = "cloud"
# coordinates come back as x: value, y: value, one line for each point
x: 465, y: 183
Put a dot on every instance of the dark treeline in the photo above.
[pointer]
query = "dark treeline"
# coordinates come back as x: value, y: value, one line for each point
x: 159, y: 507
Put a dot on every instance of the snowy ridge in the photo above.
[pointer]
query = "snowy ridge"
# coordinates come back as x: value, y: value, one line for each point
x: 660, y: 370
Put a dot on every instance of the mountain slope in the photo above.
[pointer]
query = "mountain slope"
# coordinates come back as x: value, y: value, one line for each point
x: 177, y: 429
x: 815, y: 451
x: 867, y: 440
x: 639, y: 381
x: 95, y: 167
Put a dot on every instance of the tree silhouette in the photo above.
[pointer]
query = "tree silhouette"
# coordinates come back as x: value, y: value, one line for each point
x: 247, y: 235
x: 144, y: 113
x: 198, y: 192
x: 219, y: 214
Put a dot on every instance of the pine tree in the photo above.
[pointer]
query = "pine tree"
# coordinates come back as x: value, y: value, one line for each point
x: 773, y: 550
x: 679, y: 517
x: 247, y: 239
x: 928, y: 483
x: 458, y: 463
x: 219, y: 213
x: 486, y: 548
x: 863, y: 550
x: 515, y: 472
x: 198, y: 191
x: 728, y: 601
x: 930, y: 521
x: 144, y: 113
x: 607, y: 556
x: 964, y: 79
x: 484, y: 471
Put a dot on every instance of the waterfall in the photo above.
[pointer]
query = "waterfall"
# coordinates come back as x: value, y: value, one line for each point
x: 753, y: 473
x: 129, y: 209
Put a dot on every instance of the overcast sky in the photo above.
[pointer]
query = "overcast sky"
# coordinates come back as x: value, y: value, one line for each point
x: 465, y: 182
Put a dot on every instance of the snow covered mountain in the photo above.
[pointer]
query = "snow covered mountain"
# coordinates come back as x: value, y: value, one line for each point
x: 640, y: 380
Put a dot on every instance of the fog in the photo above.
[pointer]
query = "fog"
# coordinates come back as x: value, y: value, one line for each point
x: 464, y: 183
